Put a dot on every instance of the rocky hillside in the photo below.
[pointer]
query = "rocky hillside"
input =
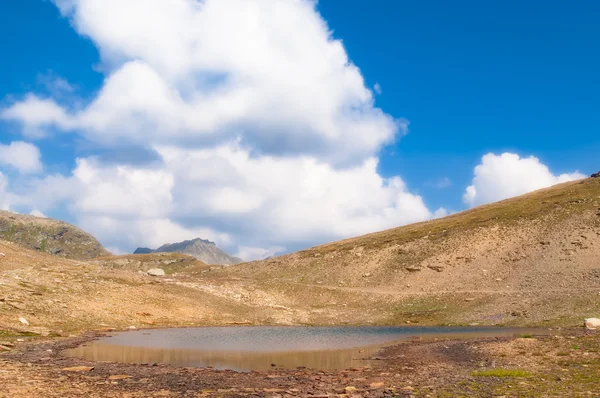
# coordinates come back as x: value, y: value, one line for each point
x: 168, y: 262
x: 49, y: 236
x: 203, y: 250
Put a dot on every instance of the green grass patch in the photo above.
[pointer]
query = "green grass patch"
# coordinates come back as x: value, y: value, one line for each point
x: 501, y: 373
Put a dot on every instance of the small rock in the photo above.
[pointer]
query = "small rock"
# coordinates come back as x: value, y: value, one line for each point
x: 18, y: 306
x: 156, y: 272
x: 469, y: 299
x: 412, y: 269
x: 78, y: 369
x: 24, y: 321
x: 438, y: 268
x: 377, y: 385
x: 131, y: 328
x: 592, y: 323
x: 119, y: 377
x: 2, y: 254
x: 4, y: 348
x: 6, y: 344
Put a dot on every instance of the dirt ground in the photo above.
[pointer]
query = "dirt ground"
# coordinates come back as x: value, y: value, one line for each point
x: 562, y: 365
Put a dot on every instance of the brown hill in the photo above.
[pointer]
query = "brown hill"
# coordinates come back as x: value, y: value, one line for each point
x: 50, y: 236
x: 531, y: 260
x: 534, y: 256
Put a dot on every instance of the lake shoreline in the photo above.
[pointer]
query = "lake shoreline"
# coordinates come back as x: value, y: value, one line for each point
x: 526, y: 366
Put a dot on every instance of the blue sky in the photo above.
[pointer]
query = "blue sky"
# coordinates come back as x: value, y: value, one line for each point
x: 469, y: 77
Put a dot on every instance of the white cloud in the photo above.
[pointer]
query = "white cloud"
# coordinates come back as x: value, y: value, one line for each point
x: 503, y: 176
x: 186, y: 70
x: 440, y: 183
x: 37, y: 213
x: 23, y: 156
x: 37, y: 115
x: 257, y: 253
x: 265, y: 131
x: 289, y: 199
x: 4, y: 195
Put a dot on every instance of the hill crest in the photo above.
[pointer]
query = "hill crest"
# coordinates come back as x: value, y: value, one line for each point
x: 202, y: 249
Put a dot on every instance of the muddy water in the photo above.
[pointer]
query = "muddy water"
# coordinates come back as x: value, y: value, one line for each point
x: 259, y: 348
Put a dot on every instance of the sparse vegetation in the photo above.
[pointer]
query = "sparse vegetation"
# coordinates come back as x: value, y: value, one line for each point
x: 501, y: 373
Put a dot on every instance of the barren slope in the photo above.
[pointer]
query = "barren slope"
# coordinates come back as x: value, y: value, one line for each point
x: 531, y: 260
x: 534, y: 257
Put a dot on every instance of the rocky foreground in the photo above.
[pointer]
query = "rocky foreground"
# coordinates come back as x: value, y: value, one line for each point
x: 565, y: 365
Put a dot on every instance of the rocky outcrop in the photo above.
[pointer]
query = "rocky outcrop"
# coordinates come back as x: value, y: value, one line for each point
x: 50, y: 236
x: 202, y: 249
x: 156, y: 272
x: 596, y: 175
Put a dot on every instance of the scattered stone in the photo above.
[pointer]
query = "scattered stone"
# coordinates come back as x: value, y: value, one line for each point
x: 156, y: 272
x: 24, y: 321
x: 78, y: 369
x: 18, y: 306
x: 592, y: 323
x: 119, y: 377
x: 436, y: 267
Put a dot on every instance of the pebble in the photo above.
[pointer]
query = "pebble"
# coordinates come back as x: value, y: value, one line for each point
x: 24, y: 321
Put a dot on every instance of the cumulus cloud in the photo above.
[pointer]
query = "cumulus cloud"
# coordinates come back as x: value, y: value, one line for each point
x: 22, y: 156
x: 503, y: 176
x: 264, y: 131
x: 289, y: 199
x: 258, y: 253
x: 4, y: 195
x: 37, y: 213
x: 195, y: 71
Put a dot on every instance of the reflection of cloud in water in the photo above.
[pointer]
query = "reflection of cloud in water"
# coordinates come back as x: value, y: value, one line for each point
x: 235, y: 360
x: 256, y: 348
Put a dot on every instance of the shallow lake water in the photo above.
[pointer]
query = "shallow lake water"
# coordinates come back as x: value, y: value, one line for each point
x: 261, y: 347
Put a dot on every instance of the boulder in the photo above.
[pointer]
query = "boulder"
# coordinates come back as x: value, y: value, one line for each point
x: 156, y: 272
x: 596, y: 175
x: 592, y: 323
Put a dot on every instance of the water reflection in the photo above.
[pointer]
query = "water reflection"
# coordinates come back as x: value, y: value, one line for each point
x: 257, y: 348
x: 235, y: 360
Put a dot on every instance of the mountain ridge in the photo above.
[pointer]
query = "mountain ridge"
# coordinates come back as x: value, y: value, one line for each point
x: 202, y: 249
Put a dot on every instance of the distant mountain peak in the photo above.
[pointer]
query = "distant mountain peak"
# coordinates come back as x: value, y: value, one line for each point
x: 203, y: 249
